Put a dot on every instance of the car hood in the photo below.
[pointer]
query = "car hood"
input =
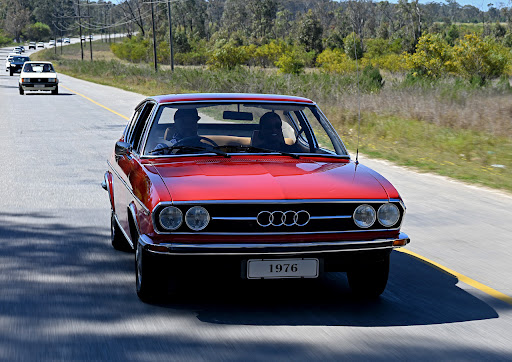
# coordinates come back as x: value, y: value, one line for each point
x: 38, y: 75
x: 270, y: 179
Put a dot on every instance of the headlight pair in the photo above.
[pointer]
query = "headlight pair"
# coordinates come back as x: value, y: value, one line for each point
x: 196, y: 218
x: 365, y: 215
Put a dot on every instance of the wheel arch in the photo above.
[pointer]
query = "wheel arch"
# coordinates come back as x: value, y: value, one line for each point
x: 133, y: 224
x: 108, y: 185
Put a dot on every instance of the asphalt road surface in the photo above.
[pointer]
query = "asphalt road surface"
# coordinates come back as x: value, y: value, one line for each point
x: 67, y: 295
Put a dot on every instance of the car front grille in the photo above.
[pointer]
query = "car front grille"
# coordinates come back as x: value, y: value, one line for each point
x: 280, y: 218
x: 38, y: 80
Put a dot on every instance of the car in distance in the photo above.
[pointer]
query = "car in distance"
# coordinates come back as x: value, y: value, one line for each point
x: 17, y: 50
x: 32, y: 45
x: 40, y: 44
x: 51, y: 43
x: 38, y: 76
x: 257, y: 186
x: 8, y: 60
x: 67, y: 40
x: 22, y: 48
x: 17, y: 63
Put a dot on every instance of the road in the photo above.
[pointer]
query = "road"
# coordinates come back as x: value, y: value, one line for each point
x: 67, y: 295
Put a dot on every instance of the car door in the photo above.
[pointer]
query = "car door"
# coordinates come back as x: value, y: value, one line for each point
x: 128, y: 166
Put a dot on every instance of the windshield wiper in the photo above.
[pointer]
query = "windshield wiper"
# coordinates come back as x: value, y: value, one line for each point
x: 194, y: 148
x: 266, y: 150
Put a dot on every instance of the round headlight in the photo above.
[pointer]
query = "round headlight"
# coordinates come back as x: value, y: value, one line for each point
x: 171, y: 218
x: 197, y: 218
x: 388, y: 215
x: 364, y: 216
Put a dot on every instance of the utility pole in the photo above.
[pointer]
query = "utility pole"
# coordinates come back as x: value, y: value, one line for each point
x: 80, y: 26
x: 90, y: 34
x: 170, y: 34
x: 154, y: 36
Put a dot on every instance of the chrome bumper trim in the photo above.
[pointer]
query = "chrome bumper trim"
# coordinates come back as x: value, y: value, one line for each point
x: 271, y: 248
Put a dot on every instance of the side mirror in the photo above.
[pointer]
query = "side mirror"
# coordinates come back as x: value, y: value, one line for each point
x: 122, y: 148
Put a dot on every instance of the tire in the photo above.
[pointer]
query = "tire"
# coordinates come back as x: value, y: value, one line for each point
x: 22, y: 92
x: 10, y: 72
x: 119, y: 242
x: 150, y: 283
x: 369, y: 282
x: 56, y: 90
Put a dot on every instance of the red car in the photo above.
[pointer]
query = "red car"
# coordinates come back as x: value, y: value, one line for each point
x: 252, y: 185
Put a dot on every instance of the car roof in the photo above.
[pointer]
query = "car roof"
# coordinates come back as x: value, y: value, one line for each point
x: 38, y: 62
x: 201, y: 97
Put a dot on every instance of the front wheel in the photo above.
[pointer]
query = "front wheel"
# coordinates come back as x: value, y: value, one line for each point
x: 22, y: 92
x: 56, y: 90
x: 10, y: 72
x: 369, y: 282
x: 149, y: 281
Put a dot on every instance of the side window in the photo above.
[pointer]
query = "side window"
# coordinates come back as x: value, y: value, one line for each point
x: 139, y: 126
x: 129, y: 128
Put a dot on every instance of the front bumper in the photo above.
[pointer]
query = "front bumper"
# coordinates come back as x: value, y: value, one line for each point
x: 39, y: 86
x: 262, y: 249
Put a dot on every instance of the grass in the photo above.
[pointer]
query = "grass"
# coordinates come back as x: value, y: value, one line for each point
x: 446, y: 127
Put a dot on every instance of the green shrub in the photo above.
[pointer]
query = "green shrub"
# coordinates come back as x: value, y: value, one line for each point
x: 433, y: 57
x: 479, y: 59
x: 136, y: 50
x: 228, y: 56
x: 290, y: 63
x: 371, y: 79
x: 4, y: 40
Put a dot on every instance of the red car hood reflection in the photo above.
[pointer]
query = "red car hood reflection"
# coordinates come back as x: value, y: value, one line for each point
x: 270, y: 179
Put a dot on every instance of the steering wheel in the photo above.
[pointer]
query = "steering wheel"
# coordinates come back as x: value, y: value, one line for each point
x: 196, y: 141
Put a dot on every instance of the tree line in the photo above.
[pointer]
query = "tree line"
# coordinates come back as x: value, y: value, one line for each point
x: 315, y: 23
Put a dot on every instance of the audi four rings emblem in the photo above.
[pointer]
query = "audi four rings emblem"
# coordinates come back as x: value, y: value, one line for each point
x: 283, y: 218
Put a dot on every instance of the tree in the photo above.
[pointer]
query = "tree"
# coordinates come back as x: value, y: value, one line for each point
x: 353, y: 47
x: 37, y: 32
x: 263, y: 15
x: 310, y: 33
x: 235, y: 16
x: 16, y: 19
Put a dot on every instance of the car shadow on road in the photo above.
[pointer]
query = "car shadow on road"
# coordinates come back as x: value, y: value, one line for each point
x: 417, y: 294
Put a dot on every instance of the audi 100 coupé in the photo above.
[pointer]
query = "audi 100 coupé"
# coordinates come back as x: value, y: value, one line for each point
x: 252, y: 185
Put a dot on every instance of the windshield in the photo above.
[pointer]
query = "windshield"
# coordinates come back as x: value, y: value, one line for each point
x: 191, y: 128
x: 20, y: 59
x: 38, y: 68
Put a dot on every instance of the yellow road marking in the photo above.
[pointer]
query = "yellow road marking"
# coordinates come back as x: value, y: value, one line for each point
x: 93, y: 101
x: 482, y: 287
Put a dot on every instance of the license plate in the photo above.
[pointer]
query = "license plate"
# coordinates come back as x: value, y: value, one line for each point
x: 38, y: 85
x: 282, y: 268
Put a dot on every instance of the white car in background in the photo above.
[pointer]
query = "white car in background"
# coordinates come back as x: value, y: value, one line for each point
x: 8, y: 60
x: 38, y: 76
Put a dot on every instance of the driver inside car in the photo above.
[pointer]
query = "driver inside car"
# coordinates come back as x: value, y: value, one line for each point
x: 185, y: 121
x: 185, y: 126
